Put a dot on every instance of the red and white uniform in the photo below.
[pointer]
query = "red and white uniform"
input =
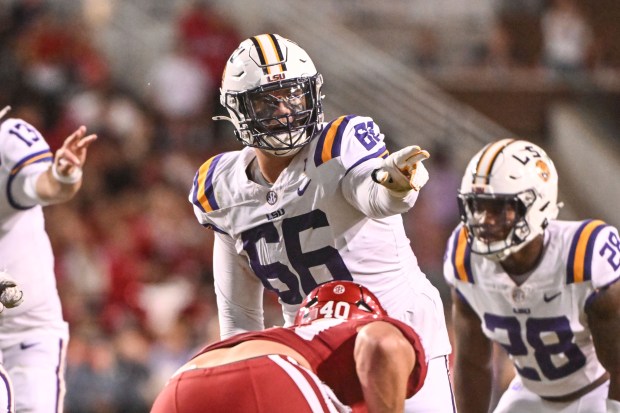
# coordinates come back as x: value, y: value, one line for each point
x: 327, y: 344
x: 266, y: 384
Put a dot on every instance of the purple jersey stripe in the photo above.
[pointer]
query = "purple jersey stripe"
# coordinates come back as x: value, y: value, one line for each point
x: 570, y: 274
x: 381, y: 153
x: 339, y: 133
x: 587, y: 266
x: 42, y: 156
x: 209, y: 183
x: 9, y: 391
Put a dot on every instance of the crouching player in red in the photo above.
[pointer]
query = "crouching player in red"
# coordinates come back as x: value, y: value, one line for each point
x: 342, y: 354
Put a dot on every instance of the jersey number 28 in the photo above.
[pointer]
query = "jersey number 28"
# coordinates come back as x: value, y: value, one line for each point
x: 561, y: 347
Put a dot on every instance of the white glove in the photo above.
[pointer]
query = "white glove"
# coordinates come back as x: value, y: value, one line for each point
x: 403, y: 170
x: 10, y: 294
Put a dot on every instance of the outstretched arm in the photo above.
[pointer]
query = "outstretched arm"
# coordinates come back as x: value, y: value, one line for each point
x: 384, y: 187
x: 64, y: 178
x: 384, y: 360
x: 473, y: 368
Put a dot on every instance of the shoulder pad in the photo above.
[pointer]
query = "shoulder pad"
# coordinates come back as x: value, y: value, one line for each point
x: 203, y: 194
x: 579, y: 263
x: 330, y: 140
x: 354, y: 139
x: 460, y: 255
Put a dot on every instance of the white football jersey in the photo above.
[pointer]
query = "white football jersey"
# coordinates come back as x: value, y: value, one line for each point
x: 25, y: 250
x: 304, y: 229
x: 542, y: 323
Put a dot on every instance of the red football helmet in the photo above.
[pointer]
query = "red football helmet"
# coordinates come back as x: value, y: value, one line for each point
x: 339, y: 299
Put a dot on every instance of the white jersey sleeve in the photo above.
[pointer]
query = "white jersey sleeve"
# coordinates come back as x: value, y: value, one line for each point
x: 594, y: 254
x: 24, y: 154
x: 454, y: 269
x: 239, y: 293
x: 362, y: 148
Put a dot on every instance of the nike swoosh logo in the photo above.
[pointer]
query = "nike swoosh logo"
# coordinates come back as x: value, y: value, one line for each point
x: 302, y: 189
x: 548, y: 298
x: 24, y: 346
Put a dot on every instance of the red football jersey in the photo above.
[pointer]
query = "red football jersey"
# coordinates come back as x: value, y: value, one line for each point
x: 328, y: 346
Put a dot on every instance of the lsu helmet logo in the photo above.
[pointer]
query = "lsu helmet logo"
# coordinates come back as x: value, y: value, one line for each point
x: 275, y: 77
x: 543, y: 170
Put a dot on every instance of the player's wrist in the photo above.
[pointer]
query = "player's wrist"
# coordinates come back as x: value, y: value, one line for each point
x: 613, y: 406
x: 74, y: 177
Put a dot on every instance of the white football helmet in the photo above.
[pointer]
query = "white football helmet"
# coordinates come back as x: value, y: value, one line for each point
x: 272, y: 92
x: 507, y: 197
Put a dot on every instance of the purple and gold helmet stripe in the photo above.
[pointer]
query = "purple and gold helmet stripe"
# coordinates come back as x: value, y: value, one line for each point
x: 269, y: 53
x: 328, y: 146
x: 487, y: 159
x: 204, y: 196
x: 580, y: 254
x: 461, y: 253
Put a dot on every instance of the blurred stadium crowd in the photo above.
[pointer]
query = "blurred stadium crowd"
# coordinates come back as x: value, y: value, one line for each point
x: 133, y: 265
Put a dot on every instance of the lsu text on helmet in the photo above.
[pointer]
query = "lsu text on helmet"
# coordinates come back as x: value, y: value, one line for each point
x: 507, y: 197
x: 339, y: 299
x: 272, y: 92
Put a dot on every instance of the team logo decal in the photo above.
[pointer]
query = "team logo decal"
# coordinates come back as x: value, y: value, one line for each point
x: 518, y: 295
x: 272, y: 197
x: 339, y: 289
x: 543, y: 170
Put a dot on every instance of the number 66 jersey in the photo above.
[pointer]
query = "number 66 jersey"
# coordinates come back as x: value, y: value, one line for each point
x: 323, y: 219
x: 542, y: 323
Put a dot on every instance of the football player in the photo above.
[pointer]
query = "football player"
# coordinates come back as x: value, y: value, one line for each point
x: 308, y: 201
x: 546, y: 290
x: 341, y: 337
x: 33, y: 336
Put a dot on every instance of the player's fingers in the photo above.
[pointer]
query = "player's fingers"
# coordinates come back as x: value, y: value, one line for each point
x: 86, y: 141
x: 74, y: 137
x: 66, y: 157
x: 419, y: 155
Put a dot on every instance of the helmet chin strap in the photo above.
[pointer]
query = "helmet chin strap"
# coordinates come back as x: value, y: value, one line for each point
x: 231, y: 120
x: 4, y: 111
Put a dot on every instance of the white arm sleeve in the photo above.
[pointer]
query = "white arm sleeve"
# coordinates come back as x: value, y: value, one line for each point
x: 24, y: 189
x: 239, y: 292
x: 25, y: 155
x: 372, y: 199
